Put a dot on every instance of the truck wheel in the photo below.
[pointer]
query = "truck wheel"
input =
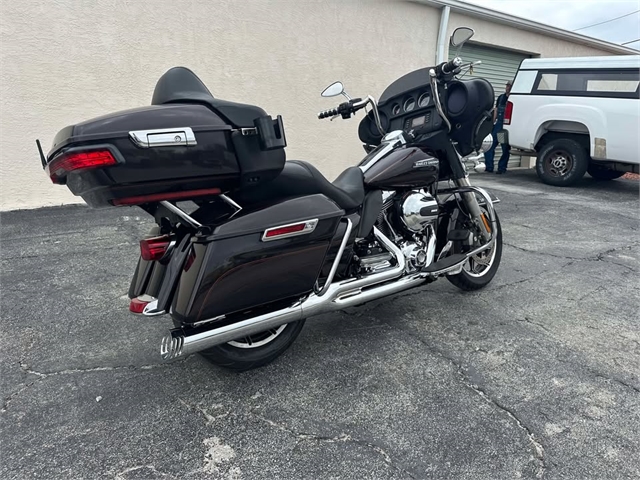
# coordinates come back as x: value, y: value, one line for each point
x: 256, y: 350
x: 600, y: 173
x: 562, y: 162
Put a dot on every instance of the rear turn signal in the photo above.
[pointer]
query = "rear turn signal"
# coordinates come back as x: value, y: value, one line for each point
x: 68, y: 162
x: 508, y: 112
x: 152, y: 249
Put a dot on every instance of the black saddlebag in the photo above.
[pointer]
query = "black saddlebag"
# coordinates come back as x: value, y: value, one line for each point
x: 258, y: 258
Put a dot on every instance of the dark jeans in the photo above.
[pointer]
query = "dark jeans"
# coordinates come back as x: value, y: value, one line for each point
x: 489, y: 154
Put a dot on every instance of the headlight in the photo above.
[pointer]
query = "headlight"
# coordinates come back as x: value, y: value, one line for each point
x: 487, y: 142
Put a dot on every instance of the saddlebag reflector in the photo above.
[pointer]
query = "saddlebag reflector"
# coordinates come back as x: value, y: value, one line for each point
x: 291, y: 230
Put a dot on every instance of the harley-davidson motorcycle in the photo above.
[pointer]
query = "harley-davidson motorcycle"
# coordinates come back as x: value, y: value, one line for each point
x: 247, y: 245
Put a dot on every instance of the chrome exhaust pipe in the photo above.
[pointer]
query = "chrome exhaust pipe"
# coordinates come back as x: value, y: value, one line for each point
x: 336, y: 296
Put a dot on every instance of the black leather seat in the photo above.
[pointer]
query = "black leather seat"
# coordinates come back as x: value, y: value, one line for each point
x: 301, y: 178
x: 179, y: 84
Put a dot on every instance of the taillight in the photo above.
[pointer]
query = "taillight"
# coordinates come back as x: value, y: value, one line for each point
x: 159, y: 197
x: 508, y: 112
x: 70, y: 161
x: 152, y: 249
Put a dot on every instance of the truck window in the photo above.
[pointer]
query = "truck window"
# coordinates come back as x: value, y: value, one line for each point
x: 588, y: 83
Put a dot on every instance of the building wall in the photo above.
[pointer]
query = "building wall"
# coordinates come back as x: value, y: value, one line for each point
x: 66, y: 61
x: 489, y: 33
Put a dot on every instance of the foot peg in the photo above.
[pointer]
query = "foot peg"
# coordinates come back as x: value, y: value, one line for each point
x: 446, y: 265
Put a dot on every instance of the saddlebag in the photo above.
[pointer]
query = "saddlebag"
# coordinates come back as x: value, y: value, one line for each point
x: 257, y: 258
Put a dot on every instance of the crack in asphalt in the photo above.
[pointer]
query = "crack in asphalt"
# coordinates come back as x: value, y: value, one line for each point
x: 538, y: 448
x: 7, y: 401
x: 24, y: 368
x: 303, y: 436
x: 74, y: 371
x: 528, y: 320
x: 598, y: 257
x: 616, y: 380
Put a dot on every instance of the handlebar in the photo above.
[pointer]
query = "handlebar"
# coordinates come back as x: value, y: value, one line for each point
x: 449, y: 67
x: 328, y: 113
x: 344, y: 109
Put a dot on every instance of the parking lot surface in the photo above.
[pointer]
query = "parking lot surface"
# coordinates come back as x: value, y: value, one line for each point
x: 537, y: 376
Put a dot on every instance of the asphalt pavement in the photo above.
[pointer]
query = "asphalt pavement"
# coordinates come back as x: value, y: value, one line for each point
x: 537, y: 376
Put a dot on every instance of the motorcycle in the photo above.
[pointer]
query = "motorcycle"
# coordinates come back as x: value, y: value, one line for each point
x: 247, y: 245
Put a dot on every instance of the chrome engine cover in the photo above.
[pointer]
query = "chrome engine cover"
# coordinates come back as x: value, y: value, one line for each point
x: 417, y: 210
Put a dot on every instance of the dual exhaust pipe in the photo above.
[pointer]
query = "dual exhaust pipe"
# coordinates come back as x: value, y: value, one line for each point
x: 333, y: 296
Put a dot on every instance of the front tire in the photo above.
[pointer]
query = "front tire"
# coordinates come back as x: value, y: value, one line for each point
x: 603, y: 174
x: 562, y: 162
x: 473, y: 275
x: 256, y: 350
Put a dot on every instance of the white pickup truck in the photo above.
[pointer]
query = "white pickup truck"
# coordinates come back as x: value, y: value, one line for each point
x: 576, y: 115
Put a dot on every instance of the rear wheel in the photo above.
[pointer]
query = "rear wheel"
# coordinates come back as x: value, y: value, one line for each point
x: 480, y: 269
x: 562, y: 162
x: 600, y: 173
x: 256, y: 350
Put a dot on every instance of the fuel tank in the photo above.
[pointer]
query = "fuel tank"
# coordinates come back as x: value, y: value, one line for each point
x: 405, y: 168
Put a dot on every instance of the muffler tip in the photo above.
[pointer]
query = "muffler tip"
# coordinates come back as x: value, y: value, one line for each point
x: 171, y: 347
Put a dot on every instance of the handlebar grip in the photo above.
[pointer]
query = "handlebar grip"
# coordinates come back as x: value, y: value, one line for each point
x: 328, y: 113
x: 450, y: 67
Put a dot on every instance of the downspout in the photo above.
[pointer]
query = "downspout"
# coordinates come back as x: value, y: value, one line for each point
x: 442, y: 34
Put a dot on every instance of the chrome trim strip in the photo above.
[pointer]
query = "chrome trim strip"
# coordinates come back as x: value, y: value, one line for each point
x: 336, y: 262
x: 230, y: 201
x: 163, y: 137
x: 391, y: 141
x: 183, y: 215
x: 310, y: 226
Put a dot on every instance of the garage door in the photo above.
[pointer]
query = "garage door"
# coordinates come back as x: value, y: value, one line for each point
x: 497, y: 66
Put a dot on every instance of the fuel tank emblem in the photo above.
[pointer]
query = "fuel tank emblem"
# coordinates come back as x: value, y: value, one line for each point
x: 426, y: 162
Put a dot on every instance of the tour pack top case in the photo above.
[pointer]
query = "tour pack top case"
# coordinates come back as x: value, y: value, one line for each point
x: 186, y: 145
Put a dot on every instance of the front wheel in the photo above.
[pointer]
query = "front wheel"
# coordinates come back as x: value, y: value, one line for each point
x: 254, y: 351
x: 480, y: 269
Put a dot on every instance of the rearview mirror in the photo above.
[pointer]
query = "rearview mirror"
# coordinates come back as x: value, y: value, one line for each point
x: 461, y: 35
x: 333, y: 90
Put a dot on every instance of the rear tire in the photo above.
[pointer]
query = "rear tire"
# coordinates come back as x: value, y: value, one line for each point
x: 468, y: 281
x: 243, y: 354
x: 562, y: 162
x: 603, y: 174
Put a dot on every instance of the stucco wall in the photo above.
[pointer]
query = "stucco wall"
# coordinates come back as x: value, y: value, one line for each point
x: 66, y: 61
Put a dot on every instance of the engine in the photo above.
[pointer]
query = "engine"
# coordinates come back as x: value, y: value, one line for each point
x: 417, y: 210
x: 410, y: 222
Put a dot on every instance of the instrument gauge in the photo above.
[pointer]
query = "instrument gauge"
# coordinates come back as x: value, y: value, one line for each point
x: 409, y: 104
x: 424, y: 100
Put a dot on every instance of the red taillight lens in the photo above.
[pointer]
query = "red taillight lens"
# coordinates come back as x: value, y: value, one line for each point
x: 277, y: 232
x: 137, y: 305
x: 70, y: 161
x: 508, y: 112
x: 153, y: 249
x: 159, y: 197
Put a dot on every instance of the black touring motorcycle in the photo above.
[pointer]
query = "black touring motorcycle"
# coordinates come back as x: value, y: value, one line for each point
x: 248, y: 245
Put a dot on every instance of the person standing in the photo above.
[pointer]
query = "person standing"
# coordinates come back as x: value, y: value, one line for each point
x: 498, y: 121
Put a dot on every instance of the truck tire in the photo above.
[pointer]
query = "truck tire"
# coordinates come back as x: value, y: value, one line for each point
x: 603, y: 174
x: 562, y: 162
